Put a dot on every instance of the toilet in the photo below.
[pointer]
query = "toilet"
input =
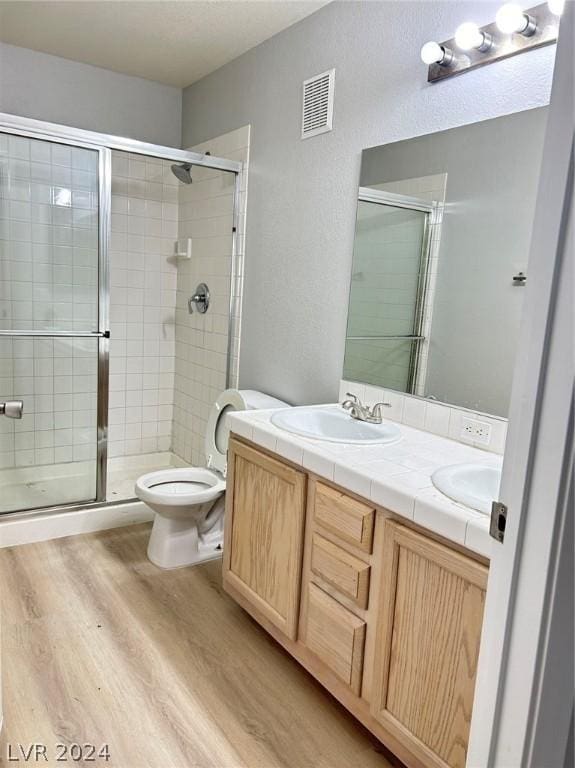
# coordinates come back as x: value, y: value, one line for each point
x: 189, y: 501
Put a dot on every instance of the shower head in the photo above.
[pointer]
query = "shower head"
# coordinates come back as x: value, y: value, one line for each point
x: 183, y: 172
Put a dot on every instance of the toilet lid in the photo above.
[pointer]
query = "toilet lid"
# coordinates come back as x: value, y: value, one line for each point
x: 218, y: 429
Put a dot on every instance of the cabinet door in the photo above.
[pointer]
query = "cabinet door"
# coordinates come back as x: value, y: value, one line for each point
x: 428, y: 634
x: 264, y: 534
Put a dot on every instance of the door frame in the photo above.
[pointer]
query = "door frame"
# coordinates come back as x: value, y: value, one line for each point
x: 524, y: 696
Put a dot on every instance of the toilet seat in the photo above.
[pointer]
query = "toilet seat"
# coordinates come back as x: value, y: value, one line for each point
x: 217, y: 430
x: 180, y: 487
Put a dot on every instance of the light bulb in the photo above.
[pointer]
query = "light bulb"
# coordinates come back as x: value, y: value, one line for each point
x: 469, y: 36
x: 556, y: 6
x: 510, y: 19
x: 433, y: 53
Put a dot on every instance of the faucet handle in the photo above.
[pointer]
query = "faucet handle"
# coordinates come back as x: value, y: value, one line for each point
x: 376, y: 410
x: 353, y: 397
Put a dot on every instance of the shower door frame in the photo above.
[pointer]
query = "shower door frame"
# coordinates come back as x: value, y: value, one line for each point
x: 104, y: 144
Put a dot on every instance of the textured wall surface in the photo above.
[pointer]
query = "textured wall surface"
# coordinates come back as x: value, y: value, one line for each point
x: 44, y: 87
x: 301, y: 208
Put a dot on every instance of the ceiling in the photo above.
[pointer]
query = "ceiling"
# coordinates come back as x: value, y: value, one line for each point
x: 170, y: 41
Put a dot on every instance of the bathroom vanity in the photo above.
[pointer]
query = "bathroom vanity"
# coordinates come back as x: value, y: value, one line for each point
x: 383, y: 611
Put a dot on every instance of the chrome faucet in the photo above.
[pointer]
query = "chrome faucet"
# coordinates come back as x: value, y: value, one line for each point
x: 363, y: 412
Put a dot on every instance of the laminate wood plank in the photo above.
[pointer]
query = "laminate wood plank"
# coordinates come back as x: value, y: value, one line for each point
x: 101, y: 646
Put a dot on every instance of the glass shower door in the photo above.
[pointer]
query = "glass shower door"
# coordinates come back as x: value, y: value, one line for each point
x: 387, y: 295
x: 53, y: 345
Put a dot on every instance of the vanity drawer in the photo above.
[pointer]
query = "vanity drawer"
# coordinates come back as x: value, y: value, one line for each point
x: 349, y: 519
x: 346, y: 573
x: 336, y: 636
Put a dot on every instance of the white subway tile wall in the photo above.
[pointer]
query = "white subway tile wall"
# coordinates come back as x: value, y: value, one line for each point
x: 48, y: 281
x: 206, y: 215
x: 143, y: 279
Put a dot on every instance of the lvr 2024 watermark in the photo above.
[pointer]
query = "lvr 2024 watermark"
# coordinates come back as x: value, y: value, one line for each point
x: 60, y: 753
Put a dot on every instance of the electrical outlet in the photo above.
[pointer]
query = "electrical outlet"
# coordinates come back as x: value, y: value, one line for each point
x: 478, y: 431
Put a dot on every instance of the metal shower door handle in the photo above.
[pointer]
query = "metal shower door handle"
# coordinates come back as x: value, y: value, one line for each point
x: 200, y: 299
x: 12, y: 409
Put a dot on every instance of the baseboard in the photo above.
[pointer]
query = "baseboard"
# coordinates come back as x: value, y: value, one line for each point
x: 28, y: 530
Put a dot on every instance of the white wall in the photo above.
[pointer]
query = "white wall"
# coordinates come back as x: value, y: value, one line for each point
x: 45, y: 87
x: 301, y: 208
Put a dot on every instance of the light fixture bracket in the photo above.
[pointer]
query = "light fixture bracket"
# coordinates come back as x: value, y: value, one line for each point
x: 503, y: 46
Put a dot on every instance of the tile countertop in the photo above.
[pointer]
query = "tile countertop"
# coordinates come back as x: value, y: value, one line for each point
x: 395, y: 476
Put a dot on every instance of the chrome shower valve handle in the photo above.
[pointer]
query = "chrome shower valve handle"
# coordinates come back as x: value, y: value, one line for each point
x: 200, y: 299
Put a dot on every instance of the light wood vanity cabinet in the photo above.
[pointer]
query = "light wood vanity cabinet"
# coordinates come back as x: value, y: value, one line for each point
x: 427, y: 645
x: 263, y: 542
x: 386, y: 616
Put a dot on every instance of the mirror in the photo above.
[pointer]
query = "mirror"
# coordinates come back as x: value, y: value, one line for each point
x: 442, y: 239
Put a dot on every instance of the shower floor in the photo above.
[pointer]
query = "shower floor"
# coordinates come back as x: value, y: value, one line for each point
x: 57, y: 484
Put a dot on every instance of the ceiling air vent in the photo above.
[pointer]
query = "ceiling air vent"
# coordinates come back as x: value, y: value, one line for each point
x: 317, y: 108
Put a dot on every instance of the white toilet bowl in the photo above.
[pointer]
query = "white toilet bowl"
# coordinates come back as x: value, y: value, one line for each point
x: 189, y: 501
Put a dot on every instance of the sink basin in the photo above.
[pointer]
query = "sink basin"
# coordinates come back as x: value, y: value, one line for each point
x: 334, y: 425
x: 475, y: 485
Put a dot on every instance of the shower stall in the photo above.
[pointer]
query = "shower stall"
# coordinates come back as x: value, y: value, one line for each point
x: 104, y: 373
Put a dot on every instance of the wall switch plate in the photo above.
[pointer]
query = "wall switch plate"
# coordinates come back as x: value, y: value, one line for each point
x: 478, y: 431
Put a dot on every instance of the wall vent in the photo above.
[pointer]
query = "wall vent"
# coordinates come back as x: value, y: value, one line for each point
x: 317, y: 106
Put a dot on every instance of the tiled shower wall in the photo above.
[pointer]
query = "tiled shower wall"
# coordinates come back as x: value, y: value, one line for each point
x: 143, y: 276
x: 206, y: 211
x: 48, y: 281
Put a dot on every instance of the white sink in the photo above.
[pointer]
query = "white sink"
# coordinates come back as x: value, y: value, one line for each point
x: 333, y: 425
x: 475, y: 485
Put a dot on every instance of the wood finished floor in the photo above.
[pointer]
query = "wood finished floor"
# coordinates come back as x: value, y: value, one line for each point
x: 99, y: 646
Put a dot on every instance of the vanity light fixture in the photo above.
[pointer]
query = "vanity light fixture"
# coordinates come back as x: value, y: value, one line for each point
x: 433, y: 53
x: 515, y: 30
x: 511, y: 19
x: 468, y: 36
x: 556, y: 7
